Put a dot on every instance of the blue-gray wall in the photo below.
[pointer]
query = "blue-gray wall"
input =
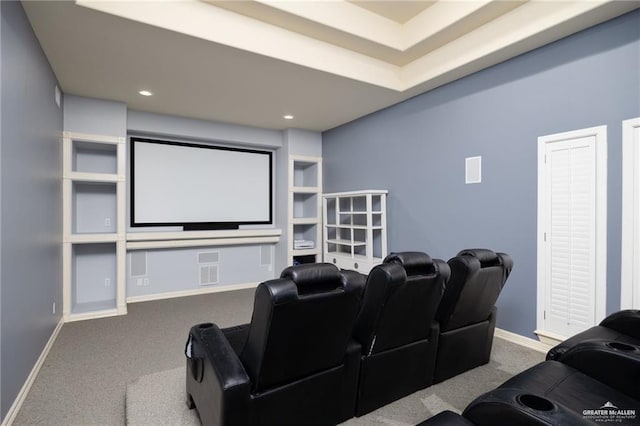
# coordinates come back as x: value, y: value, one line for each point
x: 95, y: 116
x: 417, y: 151
x: 30, y: 157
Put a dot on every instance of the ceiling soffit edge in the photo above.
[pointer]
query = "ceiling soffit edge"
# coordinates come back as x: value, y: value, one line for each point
x: 505, y: 34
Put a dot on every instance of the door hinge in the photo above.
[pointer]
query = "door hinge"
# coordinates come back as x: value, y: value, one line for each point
x: 544, y: 314
x: 545, y: 236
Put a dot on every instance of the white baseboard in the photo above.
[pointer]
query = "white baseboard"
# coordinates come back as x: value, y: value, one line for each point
x: 22, y: 395
x: 194, y: 292
x: 522, y: 341
x: 92, y: 315
x: 550, y: 338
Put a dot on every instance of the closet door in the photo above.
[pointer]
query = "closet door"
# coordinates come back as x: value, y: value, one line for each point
x: 570, y: 270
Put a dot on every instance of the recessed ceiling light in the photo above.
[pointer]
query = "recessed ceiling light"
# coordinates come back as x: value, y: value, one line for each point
x: 145, y: 93
x: 288, y: 117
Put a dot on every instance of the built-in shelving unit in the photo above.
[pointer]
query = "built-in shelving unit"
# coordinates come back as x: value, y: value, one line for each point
x: 305, y: 209
x: 93, y: 226
x: 355, y: 229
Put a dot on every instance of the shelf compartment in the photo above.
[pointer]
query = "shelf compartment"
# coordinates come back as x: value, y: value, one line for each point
x: 344, y: 204
x: 94, y: 208
x: 305, y: 174
x: 359, y: 204
x: 94, y: 277
x: 305, y: 205
x: 377, y: 243
x: 299, y: 259
x: 376, y: 203
x: 353, y: 219
x: 94, y: 157
x: 306, y: 232
x: 330, y: 211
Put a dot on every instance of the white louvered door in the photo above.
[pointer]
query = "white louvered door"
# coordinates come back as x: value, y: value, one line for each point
x: 572, y: 272
x: 570, y: 236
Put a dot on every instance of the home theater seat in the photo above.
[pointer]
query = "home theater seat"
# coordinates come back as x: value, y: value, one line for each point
x: 590, y: 382
x: 622, y: 326
x: 396, y: 328
x: 325, y: 345
x: 294, y: 364
x: 467, y: 313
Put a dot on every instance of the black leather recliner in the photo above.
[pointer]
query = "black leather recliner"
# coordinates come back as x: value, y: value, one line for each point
x: 621, y: 326
x: 294, y: 364
x: 592, y: 376
x: 467, y: 313
x: 396, y: 328
x: 591, y: 382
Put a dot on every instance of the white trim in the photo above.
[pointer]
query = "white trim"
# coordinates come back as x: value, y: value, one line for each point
x: 91, y: 238
x: 88, y: 137
x: 103, y: 313
x: 93, y: 177
x: 145, y: 245
x: 522, y: 340
x: 189, y: 235
x: 549, y: 338
x: 22, y: 395
x: 630, y: 296
x: 194, y: 292
x: 600, y: 134
x: 351, y: 193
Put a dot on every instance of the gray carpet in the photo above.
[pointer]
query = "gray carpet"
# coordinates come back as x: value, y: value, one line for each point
x: 159, y: 398
x: 84, y: 378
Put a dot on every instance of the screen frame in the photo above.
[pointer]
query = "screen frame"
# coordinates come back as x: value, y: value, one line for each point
x: 192, y: 226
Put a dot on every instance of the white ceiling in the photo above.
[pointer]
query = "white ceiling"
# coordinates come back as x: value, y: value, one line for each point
x: 325, y: 62
x: 399, y: 11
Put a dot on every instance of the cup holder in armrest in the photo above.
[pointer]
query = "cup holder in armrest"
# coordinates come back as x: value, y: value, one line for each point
x: 621, y: 346
x: 205, y: 325
x: 535, y: 402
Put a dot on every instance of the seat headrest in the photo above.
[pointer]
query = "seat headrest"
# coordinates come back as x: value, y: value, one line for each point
x: 314, y: 277
x: 413, y: 262
x: 486, y: 257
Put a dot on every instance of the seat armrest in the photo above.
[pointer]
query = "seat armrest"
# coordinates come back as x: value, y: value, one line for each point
x: 615, y: 364
x: 625, y: 322
x: 510, y: 406
x: 216, y: 379
x: 446, y: 418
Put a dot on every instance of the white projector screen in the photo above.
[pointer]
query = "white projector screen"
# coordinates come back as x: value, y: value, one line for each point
x: 199, y: 186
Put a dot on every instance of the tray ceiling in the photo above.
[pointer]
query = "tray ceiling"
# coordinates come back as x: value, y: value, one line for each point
x: 325, y: 62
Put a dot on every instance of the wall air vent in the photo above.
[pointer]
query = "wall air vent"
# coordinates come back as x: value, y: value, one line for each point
x: 208, y: 267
